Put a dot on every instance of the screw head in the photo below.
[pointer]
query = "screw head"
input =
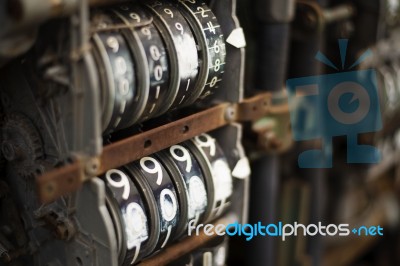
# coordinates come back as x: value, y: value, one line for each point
x: 230, y: 113
x: 92, y: 166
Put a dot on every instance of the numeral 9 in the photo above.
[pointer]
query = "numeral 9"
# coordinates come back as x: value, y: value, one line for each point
x: 184, y: 158
x: 179, y: 27
x: 156, y: 170
x: 206, y: 141
x: 122, y: 183
x: 168, y: 12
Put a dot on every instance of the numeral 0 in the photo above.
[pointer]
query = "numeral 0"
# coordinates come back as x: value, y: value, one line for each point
x: 158, y: 72
x: 213, y: 82
x: 169, y: 206
x: 122, y: 183
x: 123, y: 86
x: 156, y: 170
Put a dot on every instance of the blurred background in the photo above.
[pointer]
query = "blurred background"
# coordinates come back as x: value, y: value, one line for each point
x: 284, y: 45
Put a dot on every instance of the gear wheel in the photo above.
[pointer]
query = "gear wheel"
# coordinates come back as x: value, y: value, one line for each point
x: 21, y: 143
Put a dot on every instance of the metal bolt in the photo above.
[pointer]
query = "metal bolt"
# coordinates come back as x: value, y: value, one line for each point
x: 92, y: 166
x: 62, y: 231
x: 65, y: 229
x: 272, y: 141
x: 230, y: 113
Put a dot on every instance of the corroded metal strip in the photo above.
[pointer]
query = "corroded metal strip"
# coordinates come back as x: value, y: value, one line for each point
x: 62, y: 181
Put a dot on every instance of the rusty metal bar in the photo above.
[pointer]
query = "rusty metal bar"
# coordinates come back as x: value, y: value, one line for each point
x: 258, y: 106
x: 135, y: 147
x: 59, y: 181
x: 62, y: 181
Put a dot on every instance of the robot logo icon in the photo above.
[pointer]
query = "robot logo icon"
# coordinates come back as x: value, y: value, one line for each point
x: 340, y: 104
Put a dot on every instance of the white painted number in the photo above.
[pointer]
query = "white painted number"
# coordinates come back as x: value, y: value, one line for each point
x: 169, y: 206
x: 122, y: 183
x: 113, y: 43
x: 156, y: 170
x: 135, y: 16
x: 217, y: 65
x: 211, y: 27
x: 158, y: 72
x: 146, y: 31
x: 202, y: 12
x: 206, y: 141
x: 120, y: 65
x: 169, y: 12
x: 213, y: 82
x: 185, y: 157
x: 216, y: 47
x: 179, y: 27
x: 123, y: 86
x: 155, y: 53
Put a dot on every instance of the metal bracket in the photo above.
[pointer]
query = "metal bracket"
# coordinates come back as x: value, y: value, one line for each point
x: 62, y: 181
x: 314, y: 17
